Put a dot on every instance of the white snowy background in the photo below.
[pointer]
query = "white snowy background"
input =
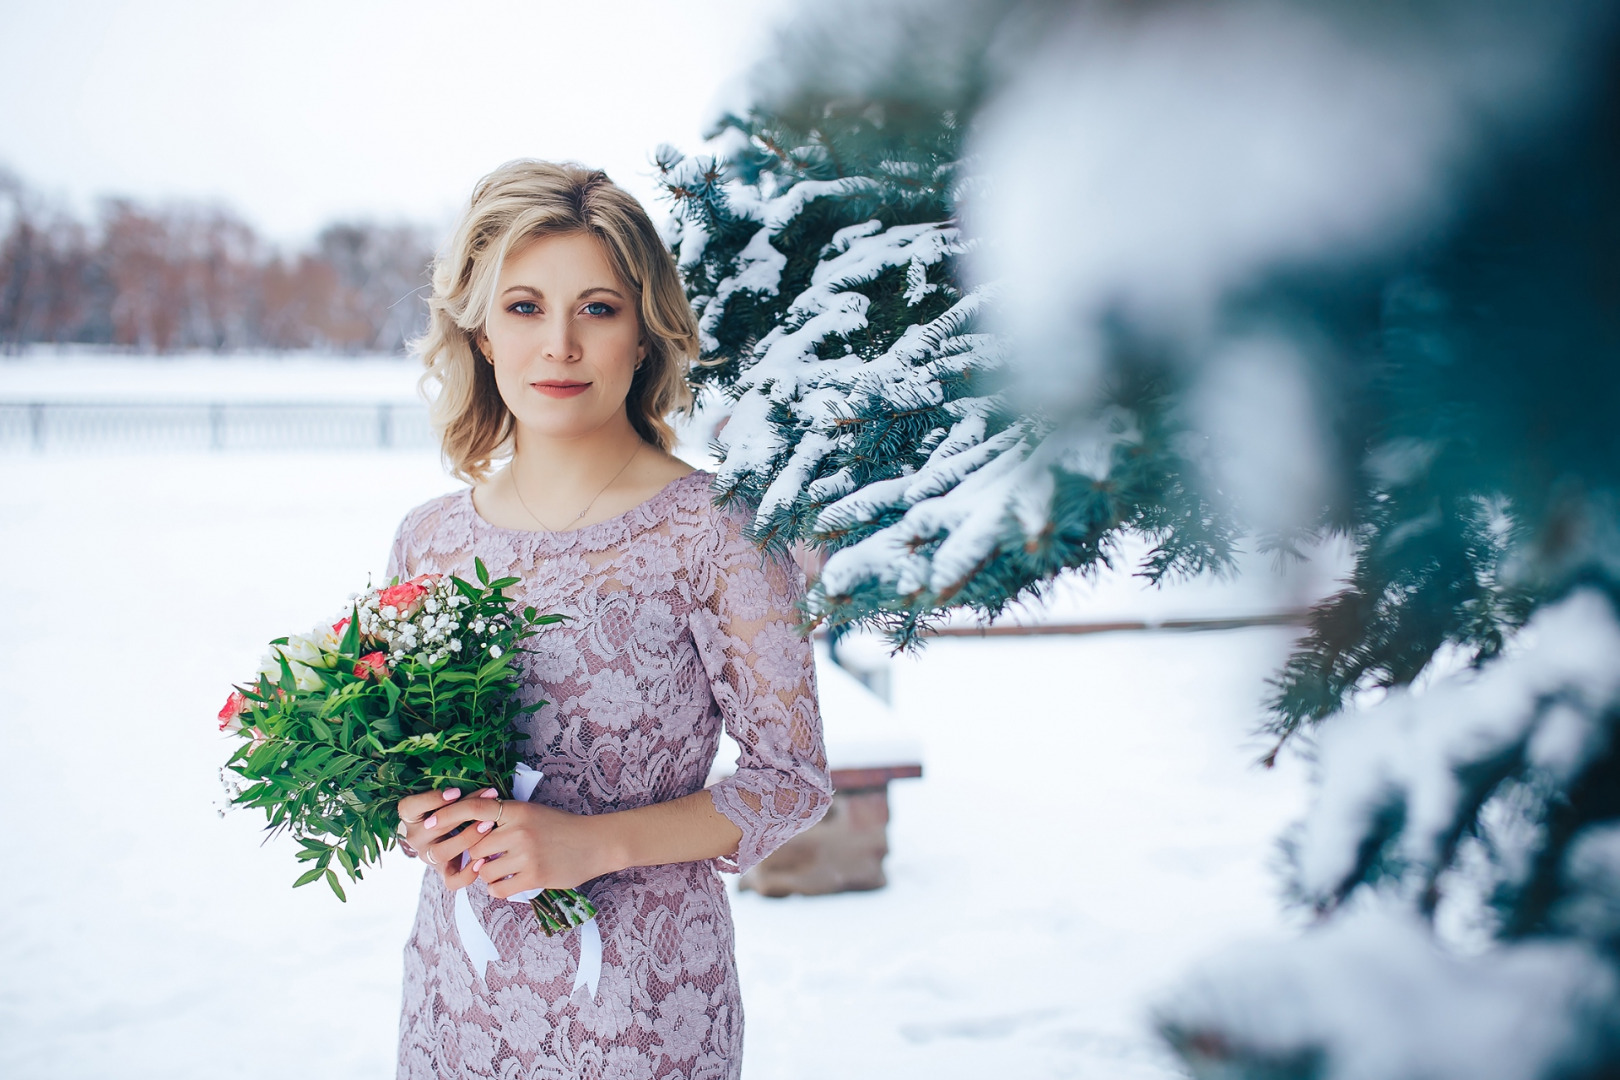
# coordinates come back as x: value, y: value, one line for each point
x: 1089, y: 825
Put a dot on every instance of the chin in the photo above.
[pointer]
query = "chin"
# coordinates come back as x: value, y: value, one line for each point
x: 551, y: 425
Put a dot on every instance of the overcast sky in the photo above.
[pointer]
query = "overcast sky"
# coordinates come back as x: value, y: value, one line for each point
x: 295, y: 112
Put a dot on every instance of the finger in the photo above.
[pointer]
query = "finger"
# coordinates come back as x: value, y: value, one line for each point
x: 480, y: 809
x: 459, y: 879
x: 416, y: 807
x: 486, y: 851
x: 492, y: 869
x: 503, y: 887
x: 447, y: 848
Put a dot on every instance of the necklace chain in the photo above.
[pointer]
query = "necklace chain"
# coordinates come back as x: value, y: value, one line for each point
x: 517, y: 486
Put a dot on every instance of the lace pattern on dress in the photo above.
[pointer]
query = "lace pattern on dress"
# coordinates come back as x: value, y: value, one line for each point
x: 677, y: 625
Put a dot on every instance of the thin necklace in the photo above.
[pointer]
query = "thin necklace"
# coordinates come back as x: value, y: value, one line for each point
x: 517, y: 486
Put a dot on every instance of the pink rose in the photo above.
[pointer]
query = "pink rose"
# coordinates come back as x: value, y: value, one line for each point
x: 407, y: 595
x: 339, y: 627
x: 230, y: 715
x: 372, y: 664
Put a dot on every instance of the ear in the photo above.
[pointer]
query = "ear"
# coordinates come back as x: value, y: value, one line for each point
x: 641, y: 351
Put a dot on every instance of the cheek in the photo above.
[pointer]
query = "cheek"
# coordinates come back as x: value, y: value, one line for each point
x: 509, y: 381
x: 615, y: 349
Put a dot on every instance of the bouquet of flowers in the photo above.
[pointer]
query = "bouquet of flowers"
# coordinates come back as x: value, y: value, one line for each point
x: 415, y: 688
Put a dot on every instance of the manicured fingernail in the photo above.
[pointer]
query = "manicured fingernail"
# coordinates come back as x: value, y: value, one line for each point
x: 489, y: 794
x: 477, y: 865
x: 431, y: 822
x: 451, y: 794
x: 485, y: 826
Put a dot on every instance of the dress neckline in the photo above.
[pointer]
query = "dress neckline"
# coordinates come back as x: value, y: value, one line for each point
x: 570, y: 535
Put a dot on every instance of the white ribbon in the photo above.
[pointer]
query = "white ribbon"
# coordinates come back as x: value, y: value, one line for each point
x: 475, y: 939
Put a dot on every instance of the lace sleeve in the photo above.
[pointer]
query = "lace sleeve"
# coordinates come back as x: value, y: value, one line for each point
x: 396, y: 556
x: 762, y: 671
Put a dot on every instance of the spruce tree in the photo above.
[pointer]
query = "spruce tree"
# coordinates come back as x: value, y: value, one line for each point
x: 868, y: 414
x: 1478, y: 483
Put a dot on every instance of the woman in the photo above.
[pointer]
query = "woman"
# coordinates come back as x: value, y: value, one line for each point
x: 560, y: 336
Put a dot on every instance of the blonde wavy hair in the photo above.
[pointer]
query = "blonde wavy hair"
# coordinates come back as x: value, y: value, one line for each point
x: 519, y: 202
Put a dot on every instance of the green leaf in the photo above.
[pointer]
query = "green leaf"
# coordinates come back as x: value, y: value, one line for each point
x: 346, y: 859
x: 482, y: 571
x: 350, y: 645
x: 309, y: 875
x: 331, y: 879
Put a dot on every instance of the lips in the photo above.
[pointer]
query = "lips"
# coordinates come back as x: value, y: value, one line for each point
x: 561, y: 389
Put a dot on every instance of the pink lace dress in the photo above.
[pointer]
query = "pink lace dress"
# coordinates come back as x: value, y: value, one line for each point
x: 678, y: 625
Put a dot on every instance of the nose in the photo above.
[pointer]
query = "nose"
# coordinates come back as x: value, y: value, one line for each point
x: 558, y: 340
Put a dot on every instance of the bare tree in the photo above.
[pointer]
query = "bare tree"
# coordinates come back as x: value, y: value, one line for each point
x: 186, y: 276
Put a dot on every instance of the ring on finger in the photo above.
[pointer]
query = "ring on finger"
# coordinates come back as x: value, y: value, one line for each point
x: 500, y: 808
x: 427, y: 856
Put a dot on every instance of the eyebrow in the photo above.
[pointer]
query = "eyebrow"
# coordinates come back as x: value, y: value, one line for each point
x: 588, y: 292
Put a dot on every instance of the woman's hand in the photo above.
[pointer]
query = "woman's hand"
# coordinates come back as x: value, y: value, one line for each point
x: 515, y: 846
x: 426, y: 832
x: 511, y: 845
x: 537, y: 847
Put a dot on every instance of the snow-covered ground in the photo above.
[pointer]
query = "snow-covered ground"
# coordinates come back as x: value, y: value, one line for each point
x: 1090, y: 801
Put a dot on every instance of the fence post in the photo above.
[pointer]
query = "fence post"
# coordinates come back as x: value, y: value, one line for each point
x: 385, y: 426
x: 36, y: 424
x: 216, y: 426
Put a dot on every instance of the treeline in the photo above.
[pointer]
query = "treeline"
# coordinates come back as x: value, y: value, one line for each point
x: 160, y: 278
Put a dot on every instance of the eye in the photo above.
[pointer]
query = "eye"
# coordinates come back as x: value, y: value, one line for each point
x: 525, y: 307
x: 598, y: 308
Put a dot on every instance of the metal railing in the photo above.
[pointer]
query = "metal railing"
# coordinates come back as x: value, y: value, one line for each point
x: 220, y: 425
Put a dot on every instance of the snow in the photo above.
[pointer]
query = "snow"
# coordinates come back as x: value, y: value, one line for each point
x: 785, y: 369
x: 1592, y: 866
x: 781, y: 463
x: 1203, y: 147
x: 1378, y: 1000
x: 1376, y: 993
x: 1553, y: 695
x: 1093, y: 798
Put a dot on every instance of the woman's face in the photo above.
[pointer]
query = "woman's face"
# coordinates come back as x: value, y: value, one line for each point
x: 564, y: 336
